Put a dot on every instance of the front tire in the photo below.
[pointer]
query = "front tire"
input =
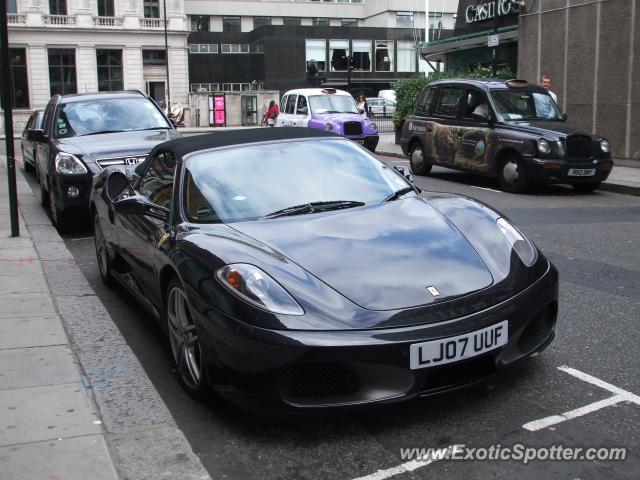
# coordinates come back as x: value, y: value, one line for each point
x: 417, y: 160
x: 586, y: 187
x: 102, y: 253
x: 187, y: 352
x: 59, y: 218
x: 512, y: 175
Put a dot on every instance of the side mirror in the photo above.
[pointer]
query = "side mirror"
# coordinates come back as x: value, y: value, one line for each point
x: 138, y: 205
x: 484, y: 116
x: 404, y: 171
x: 36, y: 135
x: 564, y: 117
x: 117, y: 183
x: 302, y: 111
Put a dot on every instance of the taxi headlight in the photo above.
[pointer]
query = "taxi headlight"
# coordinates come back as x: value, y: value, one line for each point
x: 605, y: 146
x: 544, y: 146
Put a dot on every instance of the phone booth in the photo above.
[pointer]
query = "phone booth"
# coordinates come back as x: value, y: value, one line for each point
x: 217, y: 110
x: 249, y: 110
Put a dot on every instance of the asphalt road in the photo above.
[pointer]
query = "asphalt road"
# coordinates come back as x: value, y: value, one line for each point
x: 593, y: 240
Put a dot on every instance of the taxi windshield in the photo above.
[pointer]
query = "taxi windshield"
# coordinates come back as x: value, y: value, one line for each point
x: 525, y: 105
x: 332, y: 104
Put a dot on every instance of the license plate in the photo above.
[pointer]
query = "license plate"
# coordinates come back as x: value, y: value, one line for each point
x: 453, y: 349
x: 582, y: 172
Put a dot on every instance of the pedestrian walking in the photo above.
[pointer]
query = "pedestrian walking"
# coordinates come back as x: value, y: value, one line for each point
x: 271, y: 114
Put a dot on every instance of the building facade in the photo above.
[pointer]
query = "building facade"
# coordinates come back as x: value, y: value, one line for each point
x: 77, y: 46
x: 359, y: 45
x: 591, y: 50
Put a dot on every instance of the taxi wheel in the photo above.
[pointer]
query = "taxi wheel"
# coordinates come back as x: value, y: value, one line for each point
x: 586, y: 187
x: 512, y: 175
x: 419, y: 165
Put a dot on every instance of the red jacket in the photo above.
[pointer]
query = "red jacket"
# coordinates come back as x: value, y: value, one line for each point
x: 273, y: 112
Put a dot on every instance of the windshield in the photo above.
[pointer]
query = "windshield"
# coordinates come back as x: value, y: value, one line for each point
x: 332, y: 104
x: 107, y: 115
x: 250, y: 182
x: 525, y: 105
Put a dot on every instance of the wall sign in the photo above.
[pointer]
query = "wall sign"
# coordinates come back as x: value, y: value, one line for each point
x: 487, y: 10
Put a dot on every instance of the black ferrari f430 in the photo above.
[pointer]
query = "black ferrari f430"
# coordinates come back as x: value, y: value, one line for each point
x: 294, y: 271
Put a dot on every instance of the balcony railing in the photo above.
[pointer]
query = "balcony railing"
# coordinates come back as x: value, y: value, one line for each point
x: 16, y: 19
x: 151, y: 23
x: 108, y: 22
x: 59, y: 20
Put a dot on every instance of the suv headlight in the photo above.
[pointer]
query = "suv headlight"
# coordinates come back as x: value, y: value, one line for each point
x: 525, y: 249
x: 255, y: 287
x: 68, y: 164
x: 544, y: 146
x: 605, y: 146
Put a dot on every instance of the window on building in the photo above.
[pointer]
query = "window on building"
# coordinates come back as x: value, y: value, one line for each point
x: 406, y: 56
x: 384, y: 56
x: 294, y: 21
x: 154, y: 57
x: 435, y: 20
x: 57, y: 7
x: 199, y: 23
x: 203, y: 48
x: 261, y: 21
x: 320, y: 21
x: 12, y: 7
x: 317, y: 50
x: 349, y: 22
x: 151, y: 8
x: 362, y: 55
x: 62, y: 71
x: 20, y: 93
x: 106, y: 8
x: 231, y: 24
x: 109, y: 70
x: 338, y: 53
x: 404, y: 19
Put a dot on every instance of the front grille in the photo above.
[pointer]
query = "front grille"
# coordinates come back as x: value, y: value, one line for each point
x: 127, y: 160
x: 352, y: 128
x: 579, y: 146
x: 318, y: 380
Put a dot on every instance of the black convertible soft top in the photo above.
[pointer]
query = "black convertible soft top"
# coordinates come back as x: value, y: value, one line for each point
x: 183, y: 145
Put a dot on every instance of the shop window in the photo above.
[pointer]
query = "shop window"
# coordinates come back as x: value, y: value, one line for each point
x: 406, y: 56
x: 317, y: 50
x: 338, y: 53
x: 362, y: 55
x: 109, y: 70
x: 62, y: 71
x: 384, y: 56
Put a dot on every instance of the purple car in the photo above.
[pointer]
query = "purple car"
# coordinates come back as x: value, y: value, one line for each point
x: 327, y: 109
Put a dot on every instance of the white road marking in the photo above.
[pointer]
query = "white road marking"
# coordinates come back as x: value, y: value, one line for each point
x: 620, y: 395
x: 81, y: 238
x: 485, y: 188
x: 393, y: 471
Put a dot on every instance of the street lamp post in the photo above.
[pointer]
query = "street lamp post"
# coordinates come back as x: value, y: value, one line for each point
x: 166, y: 55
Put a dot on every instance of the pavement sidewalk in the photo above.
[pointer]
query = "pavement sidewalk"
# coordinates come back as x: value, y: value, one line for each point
x: 75, y: 403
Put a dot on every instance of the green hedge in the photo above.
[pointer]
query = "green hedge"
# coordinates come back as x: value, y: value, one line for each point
x: 407, y: 90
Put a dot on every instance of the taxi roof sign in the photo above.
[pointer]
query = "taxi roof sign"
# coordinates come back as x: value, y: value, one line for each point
x: 515, y: 83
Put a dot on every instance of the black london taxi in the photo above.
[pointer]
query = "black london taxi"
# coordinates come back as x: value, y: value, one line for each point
x: 502, y: 128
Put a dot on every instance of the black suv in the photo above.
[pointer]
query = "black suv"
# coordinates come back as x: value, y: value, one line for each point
x: 84, y: 133
x: 506, y: 129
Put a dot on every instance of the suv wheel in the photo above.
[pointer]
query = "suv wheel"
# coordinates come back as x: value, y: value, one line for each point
x: 58, y: 217
x: 419, y: 165
x: 102, y: 253
x: 512, y: 175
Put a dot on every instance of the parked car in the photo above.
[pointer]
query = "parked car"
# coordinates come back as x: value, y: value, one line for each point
x: 327, y: 109
x: 380, y: 107
x: 388, y: 95
x: 85, y: 133
x: 27, y: 146
x: 295, y: 271
x: 506, y: 129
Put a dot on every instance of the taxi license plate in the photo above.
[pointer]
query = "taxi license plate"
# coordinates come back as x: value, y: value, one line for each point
x: 582, y: 172
x: 453, y: 349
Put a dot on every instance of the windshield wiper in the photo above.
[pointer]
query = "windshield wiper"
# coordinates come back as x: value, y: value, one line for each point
x: 397, y: 194
x: 150, y: 128
x: 101, y: 132
x: 313, y: 207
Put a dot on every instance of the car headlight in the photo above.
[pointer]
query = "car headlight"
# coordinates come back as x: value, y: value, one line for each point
x: 373, y: 126
x: 605, y: 146
x: 525, y: 249
x: 328, y: 127
x: 543, y: 146
x: 68, y: 164
x: 255, y: 287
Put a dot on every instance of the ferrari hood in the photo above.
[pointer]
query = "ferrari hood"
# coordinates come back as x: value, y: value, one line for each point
x: 382, y: 257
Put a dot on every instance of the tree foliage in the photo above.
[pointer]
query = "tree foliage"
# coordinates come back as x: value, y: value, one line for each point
x: 408, y: 90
